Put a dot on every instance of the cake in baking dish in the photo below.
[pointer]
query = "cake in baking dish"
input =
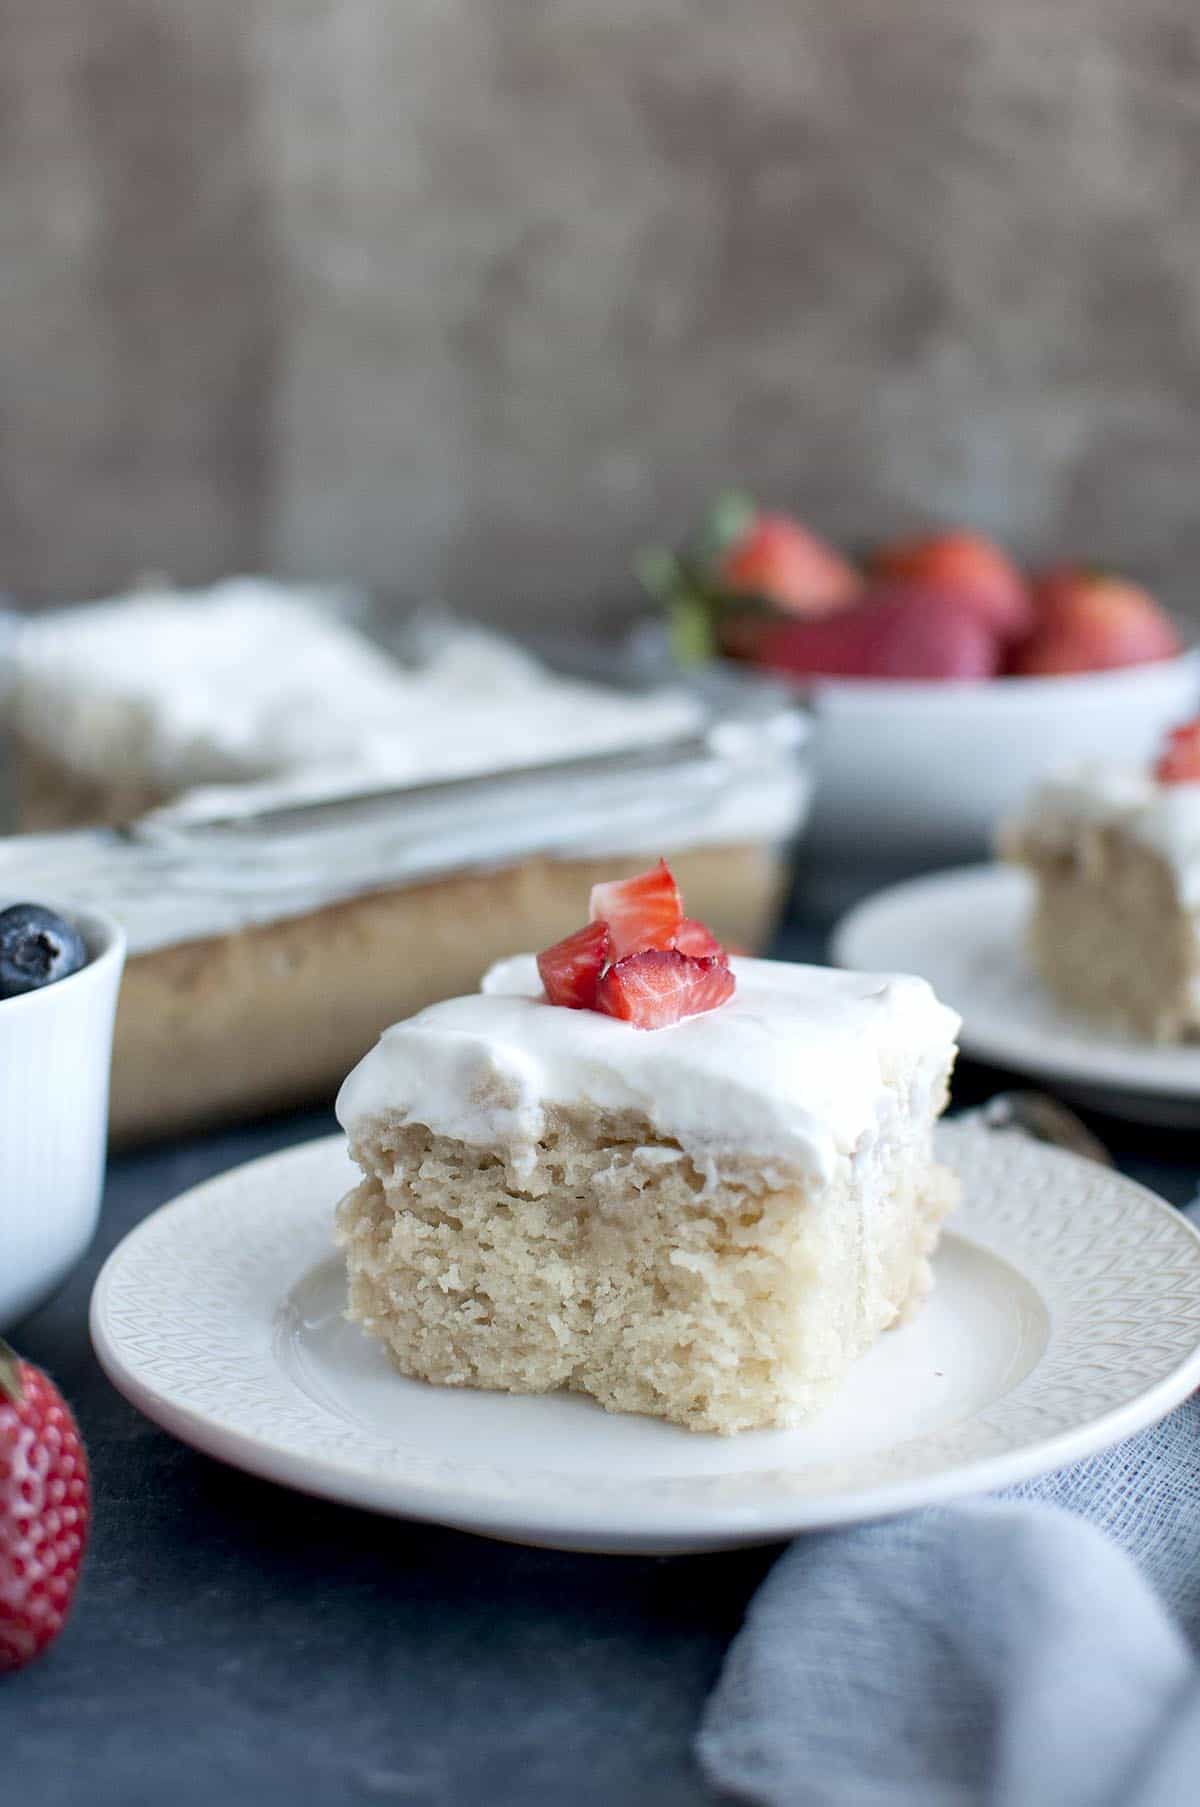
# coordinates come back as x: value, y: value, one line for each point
x: 687, y: 1185
x: 268, y: 944
x: 116, y: 707
x: 1115, y: 856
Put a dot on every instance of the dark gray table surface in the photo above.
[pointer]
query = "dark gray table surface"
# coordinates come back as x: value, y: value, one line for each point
x: 235, y: 1643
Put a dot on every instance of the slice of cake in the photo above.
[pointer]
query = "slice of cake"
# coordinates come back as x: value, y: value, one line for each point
x: 1115, y: 855
x: 686, y: 1185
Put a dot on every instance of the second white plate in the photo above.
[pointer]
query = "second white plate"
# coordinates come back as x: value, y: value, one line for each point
x: 1066, y: 1315
x: 964, y: 930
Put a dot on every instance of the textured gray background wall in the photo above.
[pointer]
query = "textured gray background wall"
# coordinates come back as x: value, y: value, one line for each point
x: 473, y: 296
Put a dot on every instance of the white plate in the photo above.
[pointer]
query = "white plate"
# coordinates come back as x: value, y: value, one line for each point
x: 1066, y: 1315
x: 964, y: 931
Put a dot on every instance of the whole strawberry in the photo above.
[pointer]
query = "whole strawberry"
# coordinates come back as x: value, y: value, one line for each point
x: 744, y: 570
x: 45, y: 1505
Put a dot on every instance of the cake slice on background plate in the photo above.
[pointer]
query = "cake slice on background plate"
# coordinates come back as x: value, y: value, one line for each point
x: 1115, y: 856
x: 687, y: 1185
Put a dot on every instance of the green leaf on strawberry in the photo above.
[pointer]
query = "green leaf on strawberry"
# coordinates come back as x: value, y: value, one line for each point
x: 690, y: 609
x: 729, y: 520
x: 10, y: 1374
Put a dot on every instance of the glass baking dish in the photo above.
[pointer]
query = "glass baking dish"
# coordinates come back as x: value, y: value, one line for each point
x: 274, y: 932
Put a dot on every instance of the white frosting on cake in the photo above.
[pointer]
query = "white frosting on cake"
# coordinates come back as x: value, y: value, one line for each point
x: 255, y: 680
x: 1163, y: 817
x: 247, y: 678
x: 795, y: 1067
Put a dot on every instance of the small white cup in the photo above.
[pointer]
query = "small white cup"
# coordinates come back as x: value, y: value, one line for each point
x: 55, y: 1053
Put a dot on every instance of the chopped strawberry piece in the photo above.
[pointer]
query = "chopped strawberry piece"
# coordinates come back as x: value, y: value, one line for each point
x: 642, y: 912
x: 570, y: 970
x: 1179, y: 761
x: 659, y: 986
x: 693, y: 938
x: 639, y: 958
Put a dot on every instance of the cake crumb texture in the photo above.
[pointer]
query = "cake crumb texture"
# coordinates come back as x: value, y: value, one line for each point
x: 1110, y: 937
x: 721, y: 1293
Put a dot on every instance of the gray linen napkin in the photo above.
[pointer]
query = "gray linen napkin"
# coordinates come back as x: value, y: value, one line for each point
x: 1037, y: 1649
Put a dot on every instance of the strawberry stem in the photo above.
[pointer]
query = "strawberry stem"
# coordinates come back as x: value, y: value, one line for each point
x: 731, y: 516
x: 11, y: 1385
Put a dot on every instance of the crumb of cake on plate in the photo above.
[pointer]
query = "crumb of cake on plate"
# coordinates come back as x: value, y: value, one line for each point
x: 1115, y: 856
x: 686, y: 1184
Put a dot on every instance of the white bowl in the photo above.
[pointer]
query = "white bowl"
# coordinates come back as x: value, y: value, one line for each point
x: 924, y: 772
x: 55, y: 1051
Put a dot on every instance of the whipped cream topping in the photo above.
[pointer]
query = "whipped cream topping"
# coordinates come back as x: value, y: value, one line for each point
x: 795, y: 1067
x: 1163, y: 817
x: 254, y: 680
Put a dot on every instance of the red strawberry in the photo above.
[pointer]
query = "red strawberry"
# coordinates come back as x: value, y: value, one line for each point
x: 658, y: 987
x: 641, y: 912
x: 693, y: 938
x: 44, y: 1509
x: 969, y: 566
x: 777, y: 560
x: 571, y: 968
x: 1090, y: 621
x: 900, y: 631
x: 1179, y: 761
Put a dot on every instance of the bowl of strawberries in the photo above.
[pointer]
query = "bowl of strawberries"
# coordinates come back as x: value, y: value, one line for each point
x: 944, y: 678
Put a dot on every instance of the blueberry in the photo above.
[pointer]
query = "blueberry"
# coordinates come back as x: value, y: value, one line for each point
x: 36, y: 948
